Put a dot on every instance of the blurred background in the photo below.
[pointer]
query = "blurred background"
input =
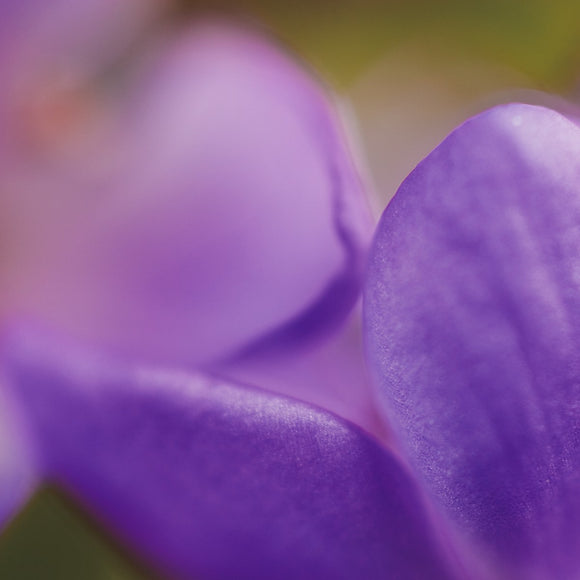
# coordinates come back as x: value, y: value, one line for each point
x: 406, y: 72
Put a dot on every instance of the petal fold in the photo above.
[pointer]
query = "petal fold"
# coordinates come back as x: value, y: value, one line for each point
x: 331, y: 374
x: 207, y: 479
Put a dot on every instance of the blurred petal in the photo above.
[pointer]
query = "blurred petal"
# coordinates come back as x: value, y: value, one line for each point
x: 17, y: 465
x: 50, y: 50
x: 38, y: 38
x: 472, y: 317
x: 211, y: 480
x: 60, y: 64
x: 234, y: 220
x: 47, y: 49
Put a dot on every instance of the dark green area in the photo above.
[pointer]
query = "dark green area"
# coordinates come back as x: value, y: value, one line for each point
x: 52, y: 540
x: 540, y: 38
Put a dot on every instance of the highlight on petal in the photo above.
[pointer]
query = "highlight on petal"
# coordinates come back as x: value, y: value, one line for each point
x: 233, y: 216
x: 472, y: 314
x: 207, y: 479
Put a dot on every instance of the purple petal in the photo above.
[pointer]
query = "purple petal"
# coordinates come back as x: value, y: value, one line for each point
x: 472, y: 316
x: 17, y: 462
x: 211, y: 480
x: 331, y: 374
x: 234, y: 218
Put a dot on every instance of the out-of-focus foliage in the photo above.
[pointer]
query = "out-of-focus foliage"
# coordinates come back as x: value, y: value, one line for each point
x: 540, y: 38
x: 53, y: 541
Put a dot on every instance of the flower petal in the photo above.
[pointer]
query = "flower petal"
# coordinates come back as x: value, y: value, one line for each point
x: 17, y: 464
x: 235, y: 218
x: 472, y: 313
x: 331, y: 374
x: 211, y: 480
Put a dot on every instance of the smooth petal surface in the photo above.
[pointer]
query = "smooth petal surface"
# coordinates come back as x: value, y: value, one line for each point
x: 233, y: 216
x: 210, y: 480
x: 472, y: 314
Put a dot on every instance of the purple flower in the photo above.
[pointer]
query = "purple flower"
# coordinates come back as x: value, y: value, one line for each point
x: 220, y: 226
x: 190, y: 203
x: 211, y: 253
